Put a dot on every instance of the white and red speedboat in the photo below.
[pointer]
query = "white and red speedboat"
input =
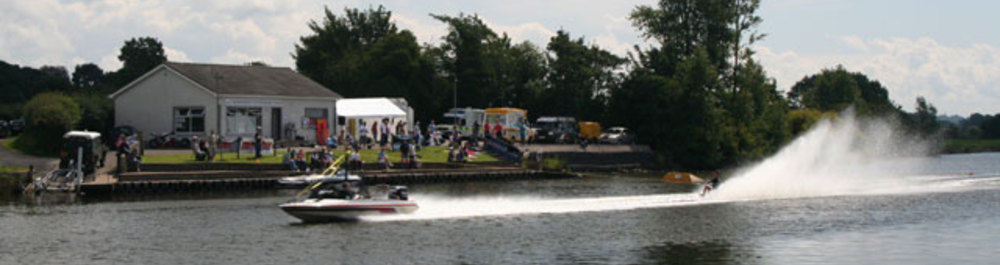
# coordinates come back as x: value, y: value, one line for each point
x: 346, y: 200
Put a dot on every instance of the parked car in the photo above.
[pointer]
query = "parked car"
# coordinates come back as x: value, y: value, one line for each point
x: 618, y: 135
x: 16, y: 126
x: 556, y: 130
x: 4, y: 129
x: 93, y: 150
x: 445, y: 129
x: 168, y: 140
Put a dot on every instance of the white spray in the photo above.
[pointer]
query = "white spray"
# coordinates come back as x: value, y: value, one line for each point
x: 840, y: 156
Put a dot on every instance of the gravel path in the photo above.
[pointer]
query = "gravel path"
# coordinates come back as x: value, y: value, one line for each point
x: 12, y: 158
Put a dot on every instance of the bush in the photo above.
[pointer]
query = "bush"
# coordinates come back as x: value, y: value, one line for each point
x: 47, y: 116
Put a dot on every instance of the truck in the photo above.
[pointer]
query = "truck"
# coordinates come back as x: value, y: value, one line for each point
x: 464, y: 120
x: 552, y: 129
x: 511, y: 121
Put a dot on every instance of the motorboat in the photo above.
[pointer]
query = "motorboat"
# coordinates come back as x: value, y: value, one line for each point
x: 303, y: 181
x: 333, y: 172
x: 347, y: 199
x: 60, y: 180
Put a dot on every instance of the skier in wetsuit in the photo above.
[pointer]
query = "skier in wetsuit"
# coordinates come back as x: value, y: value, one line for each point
x: 712, y: 184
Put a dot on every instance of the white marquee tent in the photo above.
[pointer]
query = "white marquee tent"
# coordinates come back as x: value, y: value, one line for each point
x: 369, y: 108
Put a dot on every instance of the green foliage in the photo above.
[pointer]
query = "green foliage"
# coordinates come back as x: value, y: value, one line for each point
x: 579, y: 78
x: 97, y: 112
x: 19, y: 84
x: 800, y: 120
x: 697, y: 97
x: 363, y: 54
x: 464, y: 61
x: 925, y: 118
x: 972, y: 145
x: 138, y: 56
x: 48, y: 117
x: 87, y: 75
x: 836, y: 89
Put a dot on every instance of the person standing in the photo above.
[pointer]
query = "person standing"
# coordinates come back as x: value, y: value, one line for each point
x: 524, y: 133
x: 258, y: 139
x: 486, y: 129
x: 383, y: 129
x: 213, y: 145
x: 475, y: 132
x: 432, y: 133
x: 498, y: 131
x: 363, y: 134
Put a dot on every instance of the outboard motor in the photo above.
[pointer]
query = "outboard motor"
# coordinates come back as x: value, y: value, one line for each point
x: 398, y: 193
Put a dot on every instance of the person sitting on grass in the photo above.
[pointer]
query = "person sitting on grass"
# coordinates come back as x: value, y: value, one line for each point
x: 300, y: 160
x: 383, y: 159
x: 355, y: 160
x: 199, y: 153
x: 289, y: 160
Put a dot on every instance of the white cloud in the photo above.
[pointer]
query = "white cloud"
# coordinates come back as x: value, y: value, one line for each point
x: 957, y: 80
x: 174, y: 55
x: 236, y: 57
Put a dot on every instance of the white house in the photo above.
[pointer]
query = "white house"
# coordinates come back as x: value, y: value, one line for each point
x: 193, y: 99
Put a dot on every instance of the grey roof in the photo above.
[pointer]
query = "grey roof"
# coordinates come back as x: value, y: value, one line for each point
x: 252, y: 80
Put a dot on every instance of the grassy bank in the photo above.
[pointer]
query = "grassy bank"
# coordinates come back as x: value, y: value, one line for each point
x: 11, y: 178
x: 972, y: 145
x: 26, y: 147
x: 434, y: 154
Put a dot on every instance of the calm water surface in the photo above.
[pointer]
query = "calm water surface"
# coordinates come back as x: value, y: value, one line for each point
x: 952, y: 216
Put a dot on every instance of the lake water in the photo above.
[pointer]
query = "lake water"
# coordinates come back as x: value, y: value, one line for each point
x: 944, y: 210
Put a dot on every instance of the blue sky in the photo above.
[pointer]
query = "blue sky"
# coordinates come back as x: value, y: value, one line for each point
x: 946, y: 51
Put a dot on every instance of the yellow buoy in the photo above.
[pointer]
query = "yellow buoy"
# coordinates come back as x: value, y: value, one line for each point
x: 681, y: 177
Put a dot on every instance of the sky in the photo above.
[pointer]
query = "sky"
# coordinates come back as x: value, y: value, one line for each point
x: 945, y: 51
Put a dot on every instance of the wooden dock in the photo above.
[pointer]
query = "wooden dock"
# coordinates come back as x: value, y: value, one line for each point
x: 197, y: 181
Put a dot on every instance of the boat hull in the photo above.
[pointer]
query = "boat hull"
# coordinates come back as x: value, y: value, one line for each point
x: 323, y: 210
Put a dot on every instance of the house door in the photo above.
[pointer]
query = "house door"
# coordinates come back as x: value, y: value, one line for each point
x: 276, y: 123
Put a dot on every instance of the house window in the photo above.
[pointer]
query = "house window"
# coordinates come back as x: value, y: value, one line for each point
x: 242, y: 120
x: 189, y: 119
x: 315, y: 114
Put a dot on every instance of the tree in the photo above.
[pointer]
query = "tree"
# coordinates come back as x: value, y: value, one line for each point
x: 579, y: 77
x: 925, y: 118
x: 836, y: 89
x: 702, y: 48
x: 332, y: 55
x: 57, y: 73
x: 48, y: 116
x: 138, y: 56
x: 464, y: 60
x: 87, y: 75
x: 363, y: 54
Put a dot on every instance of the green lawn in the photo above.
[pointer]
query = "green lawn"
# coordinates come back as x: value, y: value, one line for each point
x: 972, y: 145
x: 435, y: 154
x: 9, y: 169
x: 9, y: 144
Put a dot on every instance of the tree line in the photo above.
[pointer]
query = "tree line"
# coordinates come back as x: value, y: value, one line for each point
x: 52, y: 101
x: 696, y: 95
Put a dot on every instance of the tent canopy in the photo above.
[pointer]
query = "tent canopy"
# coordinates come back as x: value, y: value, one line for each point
x: 369, y: 108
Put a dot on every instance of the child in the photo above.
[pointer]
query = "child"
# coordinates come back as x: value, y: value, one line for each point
x: 383, y: 159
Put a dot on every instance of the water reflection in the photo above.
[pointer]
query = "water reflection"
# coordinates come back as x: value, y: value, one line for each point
x: 703, y: 252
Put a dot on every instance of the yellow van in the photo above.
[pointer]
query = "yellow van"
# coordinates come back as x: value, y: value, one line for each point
x: 511, y: 120
x: 590, y: 130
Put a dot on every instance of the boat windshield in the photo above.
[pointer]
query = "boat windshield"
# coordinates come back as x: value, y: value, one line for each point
x: 346, y: 190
